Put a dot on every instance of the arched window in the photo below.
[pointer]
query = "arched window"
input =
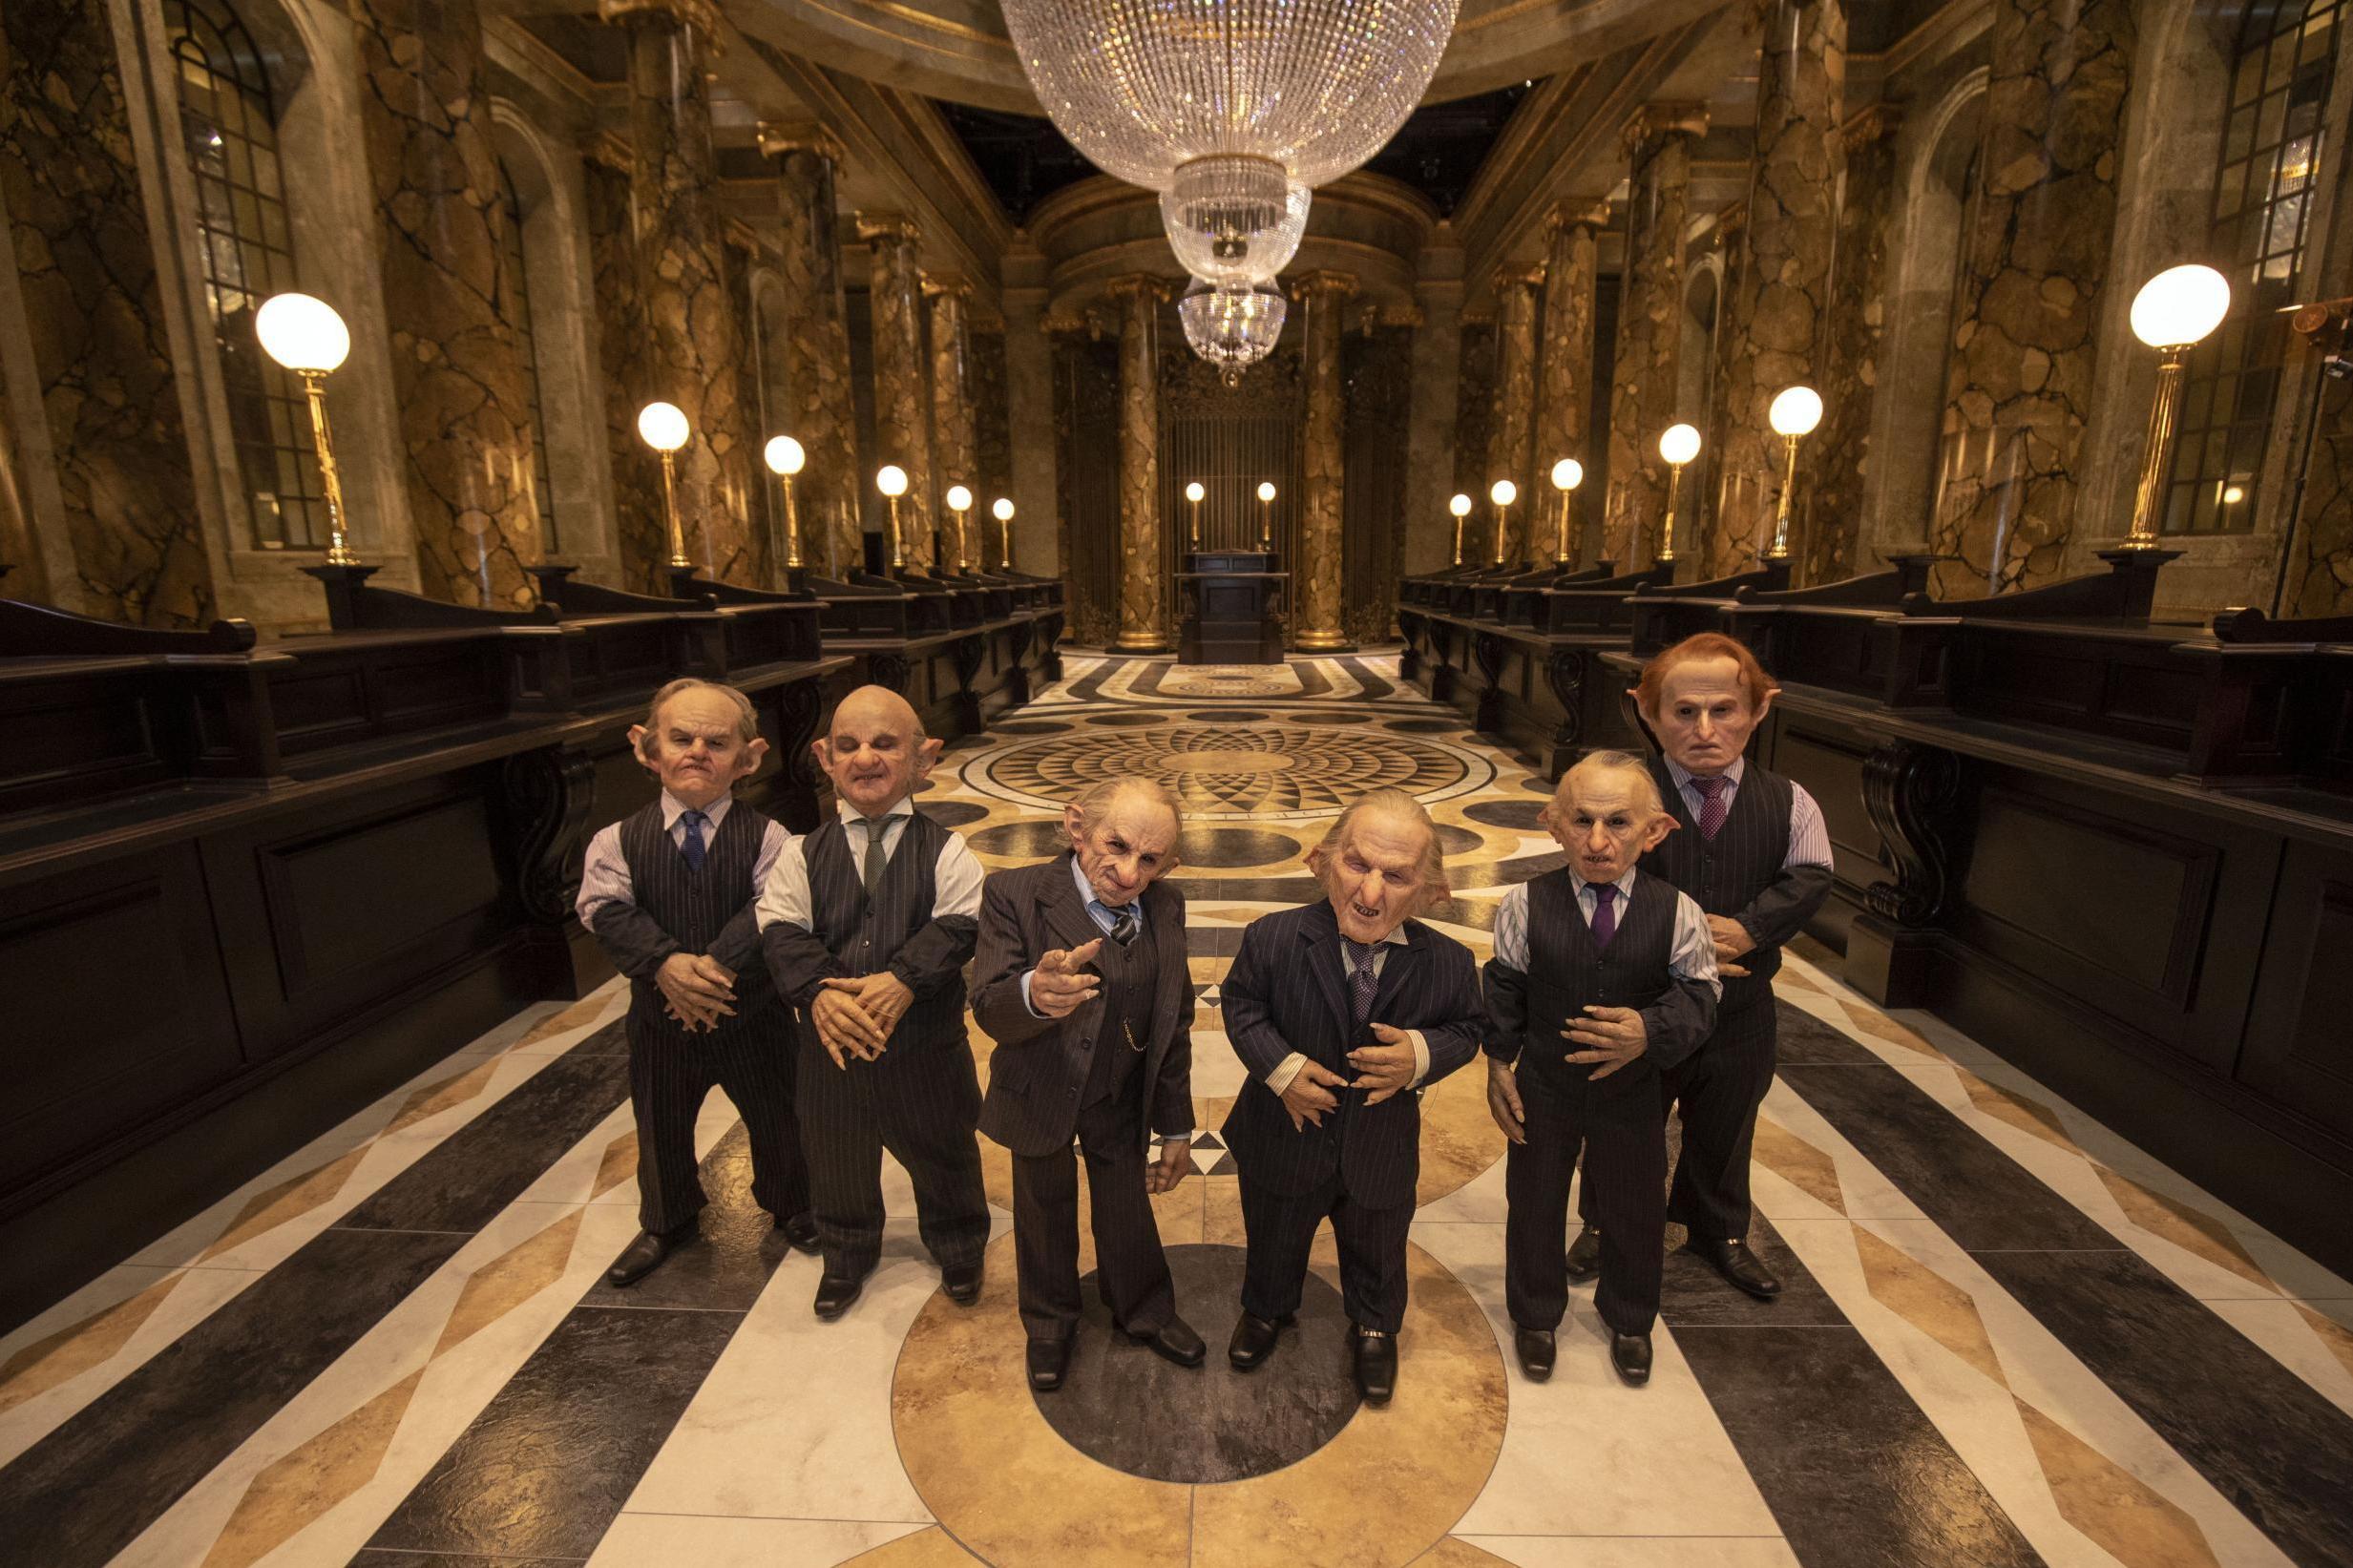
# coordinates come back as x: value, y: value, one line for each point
x: 517, y: 297
x: 228, y: 121
x: 2280, y: 74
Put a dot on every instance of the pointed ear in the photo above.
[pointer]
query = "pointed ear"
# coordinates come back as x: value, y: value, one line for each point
x: 1765, y: 707
x: 927, y: 755
x: 1074, y: 822
x: 1660, y: 827
x: 638, y: 734
x: 754, y: 754
x: 822, y: 751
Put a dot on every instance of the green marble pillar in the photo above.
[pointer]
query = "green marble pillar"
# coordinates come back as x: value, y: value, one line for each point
x: 902, y: 408
x: 952, y: 460
x: 1316, y: 574
x: 1143, y: 601
x: 1827, y: 516
x: 818, y: 409
x: 1565, y: 368
x: 1642, y: 393
x: 1512, y: 444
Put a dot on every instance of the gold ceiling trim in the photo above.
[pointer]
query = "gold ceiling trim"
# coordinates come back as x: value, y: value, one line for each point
x: 912, y: 16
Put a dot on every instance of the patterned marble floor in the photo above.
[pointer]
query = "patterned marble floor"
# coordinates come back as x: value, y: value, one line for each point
x: 2009, y: 1337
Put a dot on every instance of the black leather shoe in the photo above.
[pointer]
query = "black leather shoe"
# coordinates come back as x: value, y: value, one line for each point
x: 1536, y: 1352
x: 1585, y: 1256
x: 1253, y: 1339
x: 800, y: 1230
x: 641, y: 1257
x: 835, y: 1292
x: 1048, y: 1360
x: 962, y: 1283
x: 1630, y: 1355
x: 1376, y: 1364
x: 1737, y: 1263
x: 1173, y: 1340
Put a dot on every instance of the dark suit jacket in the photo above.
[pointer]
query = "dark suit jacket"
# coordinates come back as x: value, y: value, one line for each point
x: 1039, y: 1069
x: 1288, y: 991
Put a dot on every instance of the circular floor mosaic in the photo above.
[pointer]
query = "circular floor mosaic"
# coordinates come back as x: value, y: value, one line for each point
x: 1271, y: 771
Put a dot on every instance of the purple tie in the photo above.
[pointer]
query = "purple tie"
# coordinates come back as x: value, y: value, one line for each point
x: 1366, y: 983
x: 1710, y: 804
x: 1605, y: 913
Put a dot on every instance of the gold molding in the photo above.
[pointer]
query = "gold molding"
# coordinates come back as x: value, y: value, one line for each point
x: 954, y: 283
x: 1662, y: 118
x: 1324, y: 282
x: 873, y: 226
x: 1572, y: 212
x: 1873, y: 122
x: 702, y: 15
x: 779, y: 137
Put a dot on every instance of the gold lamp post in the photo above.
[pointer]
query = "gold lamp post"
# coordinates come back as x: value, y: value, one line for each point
x: 1567, y: 475
x: 1193, y: 492
x: 959, y: 501
x: 891, y: 480
x: 1002, y: 511
x: 784, y: 459
x: 1794, y: 413
x: 1678, y: 443
x: 1266, y: 516
x: 308, y: 338
x: 662, y: 426
x: 1460, y: 507
x: 2173, y: 313
x: 1502, y: 492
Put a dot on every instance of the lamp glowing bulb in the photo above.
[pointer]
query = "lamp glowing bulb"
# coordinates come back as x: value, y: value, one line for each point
x: 2179, y: 307
x: 959, y: 499
x: 891, y: 480
x: 1568, y: 474
x: 1678, y: 443
x: 785, y: 455
x: 2233, y: 494
x: 301, y: 333
x: 1002, y: 511
x: 1266, y: 489
x: 662, y: 426
x: 1193, y: 492
x: 1503, y: 492
x: 1459, y: 505
x: 1796, y: 410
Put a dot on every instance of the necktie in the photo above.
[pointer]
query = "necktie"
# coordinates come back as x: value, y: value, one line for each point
x: 1605, y: 913
x: 873, y: 857
x: 1710, y: 804
x: 1361, y: 978
x: 692, y: 847
x: 1124, y: 925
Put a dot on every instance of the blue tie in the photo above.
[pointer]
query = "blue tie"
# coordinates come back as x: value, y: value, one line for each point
x: 692, y: 847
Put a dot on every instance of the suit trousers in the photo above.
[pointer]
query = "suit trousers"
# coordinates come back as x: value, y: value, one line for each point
x: 1622, y: 1128
x: 1716, y: 1091
x: 924, y: 1111
x: 1280, y: 1227
x: 1131, y: 1271
x: 671, y: 1073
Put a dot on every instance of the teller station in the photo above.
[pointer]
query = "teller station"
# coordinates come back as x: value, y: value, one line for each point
x: 247, y: 887
x: 2122, y: 847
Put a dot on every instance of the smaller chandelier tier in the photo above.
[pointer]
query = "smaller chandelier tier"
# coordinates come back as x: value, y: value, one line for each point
x: 1232, y: 327
x: 1224, y: 228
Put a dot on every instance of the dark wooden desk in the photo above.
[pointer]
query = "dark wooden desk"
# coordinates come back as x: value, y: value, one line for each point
x: 1232, y: 608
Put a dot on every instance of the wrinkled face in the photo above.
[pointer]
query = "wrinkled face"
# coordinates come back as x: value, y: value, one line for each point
x: 1374, y: 877
x: 1130, y: 842
x: 1704, y: 720
x: 873, y: 756
x: 1605, y: 820
x: 694, y: 749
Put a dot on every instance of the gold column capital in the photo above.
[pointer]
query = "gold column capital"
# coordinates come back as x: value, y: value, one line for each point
x: 1572, y: 212
x: 953, y: 284
x: 1873, y: 122
x: 1654, y: 122
x: 702, y: 15
x: 1324, y: 284
x: 608, y: 149
x: 897, y: 228
x: 1064, y: 323
x: 1395, y: 314
x: 1479, y: 316
x: 779, y: 137
x: 1530, y: 277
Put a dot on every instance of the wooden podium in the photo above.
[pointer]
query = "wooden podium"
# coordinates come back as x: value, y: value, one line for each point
x: 1232, y: 608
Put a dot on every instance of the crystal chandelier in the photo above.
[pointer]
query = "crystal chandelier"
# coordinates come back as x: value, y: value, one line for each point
x: 1230, y: 106
x: 1232, y: 327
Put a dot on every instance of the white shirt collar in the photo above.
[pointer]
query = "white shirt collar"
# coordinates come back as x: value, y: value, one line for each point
x: 852, y: 816
x: 673, y: 809
x: 1625, y: 884
x: 1088, y: 898
x: 1682, y: 775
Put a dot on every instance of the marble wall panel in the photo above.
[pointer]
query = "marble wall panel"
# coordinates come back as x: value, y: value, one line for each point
x: 460, y: 377
x: 1642, y: 395
x: 991, y: 443
x: 1087, y: 410
x: 1378, y: 370
x: 1512, y: 443
x: 948, y: 300
x: 1323, y: 458
x: 94, y: 302
x: 625, y: 350
x: 1773, y: 317
x: 819, y: 409
x: 696, y: 355
x: 1826, y: 516
x: 902, y: 405
x: 1564, y: 356
x: 1143, y: 614
x: 2034, y: 268
x: 1474, y: 425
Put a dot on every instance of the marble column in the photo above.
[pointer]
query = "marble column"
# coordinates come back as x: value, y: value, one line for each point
x: 1642, y: 393
x: 1774, y: 318
x: 1430, y: 425
x: 696, y: 350
x: 459, y: 375
x: 1565, y: 368
x: 902, y: 408
x: 1512, y: 444
x: 1144, y: 596
x: 2033, y: 272
x: 1316, y: 574
x: 819, y: 411
x: 1029, y: 413
x: 109, y: 405
x: 954, y: 440
x: 623, y: 353
x: 1827, y: 514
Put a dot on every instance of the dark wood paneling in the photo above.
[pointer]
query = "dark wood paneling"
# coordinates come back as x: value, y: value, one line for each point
x: 2299, y: 1035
